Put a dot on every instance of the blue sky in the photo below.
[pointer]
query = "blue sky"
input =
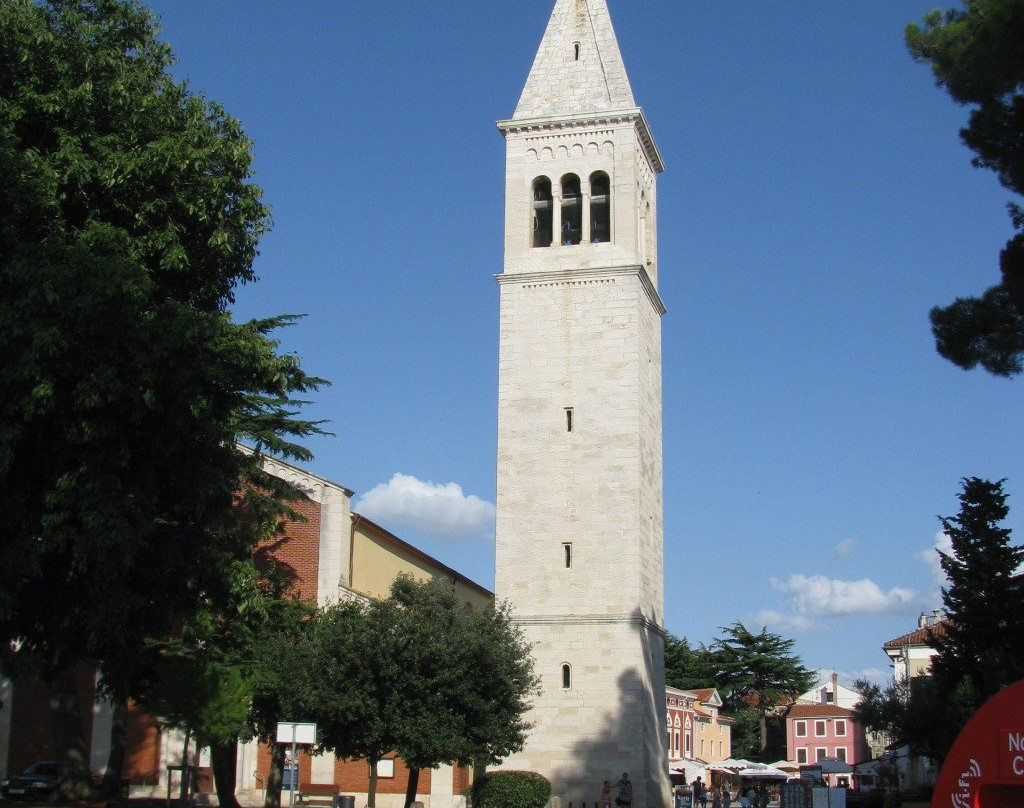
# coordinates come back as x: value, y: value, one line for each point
x: 816, y: 204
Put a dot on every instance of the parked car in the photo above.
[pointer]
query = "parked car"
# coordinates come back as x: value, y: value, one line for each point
x: 38, y: 781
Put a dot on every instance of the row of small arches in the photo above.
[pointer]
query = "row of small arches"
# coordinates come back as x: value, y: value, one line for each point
x: 575, y: 150
x: 575, y: 216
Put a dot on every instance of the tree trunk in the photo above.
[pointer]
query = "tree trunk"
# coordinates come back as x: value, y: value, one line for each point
x: 224, y: 757
x: 272, y: 799
x: 110, y: 788
x: 764, y: 732
x: 410, y: 789
x: 371, y: 792
x: 75, y: 784
x: 183, y: 789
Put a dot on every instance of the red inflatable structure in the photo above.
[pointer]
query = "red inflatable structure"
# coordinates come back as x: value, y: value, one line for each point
x: 985, y: 767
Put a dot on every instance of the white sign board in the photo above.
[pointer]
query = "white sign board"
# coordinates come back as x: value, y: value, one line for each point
x: 289, y: 732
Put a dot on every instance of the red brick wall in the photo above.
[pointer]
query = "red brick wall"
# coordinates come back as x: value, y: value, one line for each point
x: 297, y: 550
x: 350, y: 776
x: 31, y: 734
x: 142, y: 748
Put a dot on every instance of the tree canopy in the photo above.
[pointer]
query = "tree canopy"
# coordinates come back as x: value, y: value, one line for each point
x: 419, y: 675
x: 759, y: 671
x: 127, y: 219
x: 754, y: 674
x: 981, y: 643
x: 975, y: 53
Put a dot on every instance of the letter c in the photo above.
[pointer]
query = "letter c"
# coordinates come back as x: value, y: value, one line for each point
x: 1018, y: 765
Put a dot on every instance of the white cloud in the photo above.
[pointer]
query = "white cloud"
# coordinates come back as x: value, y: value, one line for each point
x: 817, y: 595
x: 930, y: 558
x: 440, y: 511
x: 778, y: 622
x: 877, y: 676
x: 844, y: 548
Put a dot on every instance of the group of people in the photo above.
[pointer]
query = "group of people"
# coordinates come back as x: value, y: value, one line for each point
x: 721, y: 797
x: 623, y: 793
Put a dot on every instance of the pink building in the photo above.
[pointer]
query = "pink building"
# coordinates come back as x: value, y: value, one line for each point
x: 816, y: 731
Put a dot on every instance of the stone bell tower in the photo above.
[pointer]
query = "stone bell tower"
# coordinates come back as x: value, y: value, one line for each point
x: 579, y: 480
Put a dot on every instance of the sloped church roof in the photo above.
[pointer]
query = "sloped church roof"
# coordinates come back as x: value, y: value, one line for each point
x: 578, y: 68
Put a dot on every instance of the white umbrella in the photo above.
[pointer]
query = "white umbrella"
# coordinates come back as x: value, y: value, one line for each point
x: 786, y: 765
x: 730, y: 765
x: 763, y: 773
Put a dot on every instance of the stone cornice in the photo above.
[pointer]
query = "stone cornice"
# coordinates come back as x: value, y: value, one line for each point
x: 634, y: 116
x: 585, y: 275
x: 588, y: 620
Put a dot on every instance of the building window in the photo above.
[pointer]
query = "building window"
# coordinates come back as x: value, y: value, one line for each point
x: 829, y: 697
x: 568, y: 419
x: 688, y: 747
x: 386, y: 767
x: 572, y: 210
x: 575, y: 51
x: 801, y: 729
x: 600, y: 208
x: 566, y: 677
x: 841, y: 753
x: 567, y: 549
x: 820, y: 753
x: 819, y: 729
x: 801, y: 755
x: 542, y: 212
x: 839, y: 727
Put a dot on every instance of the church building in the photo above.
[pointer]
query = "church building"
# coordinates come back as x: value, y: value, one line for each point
x: 579, y: 469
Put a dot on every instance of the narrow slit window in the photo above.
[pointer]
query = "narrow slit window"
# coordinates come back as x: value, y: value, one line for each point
x: 567, y: 551
x: 576, y: 51
x: 566, y: 677
x: 542, y: 212
x: 568, y: 419
x: 600, y: 208
x: 572, y: 210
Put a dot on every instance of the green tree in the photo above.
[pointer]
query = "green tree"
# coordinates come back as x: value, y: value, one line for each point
x: 981, y: 644
x: 127, y: 218
x: 470, y: 673
x: 473, y: 670
x: 687, y: 667
x: 758, y: 671
x: 979, y: 653
x: 975, y: 54
x: 276, y: 657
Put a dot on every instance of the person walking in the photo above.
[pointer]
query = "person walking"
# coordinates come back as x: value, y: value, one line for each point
x: 726, y: 798
x: 624, y: 792
x: 716, y: 797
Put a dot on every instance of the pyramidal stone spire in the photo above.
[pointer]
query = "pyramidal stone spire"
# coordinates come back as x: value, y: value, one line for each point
x: 578, y: 68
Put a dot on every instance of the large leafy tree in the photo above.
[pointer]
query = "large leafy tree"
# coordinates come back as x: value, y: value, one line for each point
x: 759, y: 672
x: 975, y: 54
x: 419, y: 675
x: 472, y: 673
x: 127, y: 218
x: 687, y: 667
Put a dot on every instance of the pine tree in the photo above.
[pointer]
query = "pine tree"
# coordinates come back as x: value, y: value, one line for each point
x: 984, y: 643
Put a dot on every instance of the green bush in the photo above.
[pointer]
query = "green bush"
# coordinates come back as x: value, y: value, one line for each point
x: 510, y: 789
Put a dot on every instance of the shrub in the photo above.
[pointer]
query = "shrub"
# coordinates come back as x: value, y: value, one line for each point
x: 510, y: 789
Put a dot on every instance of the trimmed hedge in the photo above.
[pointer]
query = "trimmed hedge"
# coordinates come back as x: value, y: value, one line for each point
x: 510, y: 789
